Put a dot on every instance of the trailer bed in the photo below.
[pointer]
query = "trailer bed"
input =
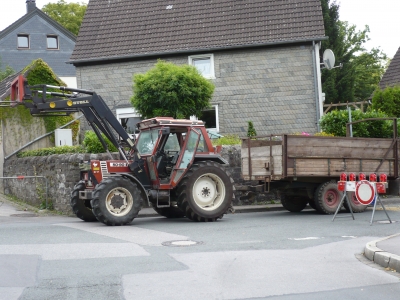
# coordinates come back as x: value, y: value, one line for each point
x: 296, y: 157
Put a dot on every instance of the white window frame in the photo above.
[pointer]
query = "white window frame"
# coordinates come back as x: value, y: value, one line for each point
x: 216, y: 129
x: 202, y: 56
x: 127, y: 112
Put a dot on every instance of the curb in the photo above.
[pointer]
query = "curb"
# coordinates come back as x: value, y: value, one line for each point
x: 381, y: 257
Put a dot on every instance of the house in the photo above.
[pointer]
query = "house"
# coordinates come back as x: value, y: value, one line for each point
x: 35, y: 35
x: 262, y: 56
x: 392, y: 74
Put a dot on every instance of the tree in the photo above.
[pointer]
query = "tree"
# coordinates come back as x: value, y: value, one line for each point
x: 69, y: 15
x: 6, y: 72
x: 361, y: 71
x: 169, y: 90
x: 369, y: 68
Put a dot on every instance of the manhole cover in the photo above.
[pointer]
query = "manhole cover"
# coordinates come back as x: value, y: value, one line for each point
x: 181, y: 243
x: 23, y: 215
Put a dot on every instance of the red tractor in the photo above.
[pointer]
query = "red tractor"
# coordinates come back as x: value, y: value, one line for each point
x: 171, y: 165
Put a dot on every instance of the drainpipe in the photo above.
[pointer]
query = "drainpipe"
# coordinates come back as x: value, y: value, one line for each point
x: 316, y: 85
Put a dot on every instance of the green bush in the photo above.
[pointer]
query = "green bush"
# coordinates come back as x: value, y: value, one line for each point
x: 53, y: 150
x: 335, y: 121
x: 387, y: 101
x: 92, y: 143
x: 169, y: 90
x: 229, y: 139
x: 251, y: 131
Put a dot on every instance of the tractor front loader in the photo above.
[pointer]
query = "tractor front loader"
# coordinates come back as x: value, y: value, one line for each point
x: 171, y: 165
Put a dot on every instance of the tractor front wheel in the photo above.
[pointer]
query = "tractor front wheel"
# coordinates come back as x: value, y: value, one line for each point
x: 205, y: 192
x: 81, y: 208
x: 116, y: 201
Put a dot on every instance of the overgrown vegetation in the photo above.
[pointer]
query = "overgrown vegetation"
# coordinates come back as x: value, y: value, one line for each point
x: 39, y: 72
x: 387, y: 101
x: 335, y: 121
x: 90, y: 144
x: 6, y: 72
x: 169, y: 90
x: 53, y: 150
x: 93, y: 145
x: 229, y: 139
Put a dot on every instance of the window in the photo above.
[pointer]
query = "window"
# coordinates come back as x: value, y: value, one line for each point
x: 52, y: 42
x: 128, y: 118
x: 23, y: 41
x: 204, y: 63
x: 210, y: 117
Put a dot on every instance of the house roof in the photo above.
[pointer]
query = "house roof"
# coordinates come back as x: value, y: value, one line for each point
x: 136, y: 28
x: 392, y: 74
x: 31, y: 14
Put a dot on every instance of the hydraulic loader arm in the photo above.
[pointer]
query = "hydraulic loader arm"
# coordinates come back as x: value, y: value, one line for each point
x: 45, y: 100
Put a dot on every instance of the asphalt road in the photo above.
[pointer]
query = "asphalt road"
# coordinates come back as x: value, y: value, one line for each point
x: 259, y: 255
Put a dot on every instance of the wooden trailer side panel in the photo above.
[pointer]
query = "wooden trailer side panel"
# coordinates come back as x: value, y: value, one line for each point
x: 265, y: 160
x: 313, y: 156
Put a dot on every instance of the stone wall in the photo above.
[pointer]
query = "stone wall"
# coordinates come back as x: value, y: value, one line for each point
x: 62, y: 173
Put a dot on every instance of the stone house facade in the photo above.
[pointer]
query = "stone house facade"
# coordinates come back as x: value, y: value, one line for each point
x: 262, y: 56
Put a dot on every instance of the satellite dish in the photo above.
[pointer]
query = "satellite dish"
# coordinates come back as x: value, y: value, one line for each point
x: 329, y: 59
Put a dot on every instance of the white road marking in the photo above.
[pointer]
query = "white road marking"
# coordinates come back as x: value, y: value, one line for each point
x: 75, y: 251
x: 306, y: 238
x: 132, y: 234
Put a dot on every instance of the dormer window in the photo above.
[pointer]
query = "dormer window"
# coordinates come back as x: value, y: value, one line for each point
x: 52, y: 42
x: 23, y: 41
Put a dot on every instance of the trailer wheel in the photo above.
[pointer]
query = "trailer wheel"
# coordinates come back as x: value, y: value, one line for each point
x: 116, y: 201
x: 356, y: 206
x: 81, y: 208
x: 205, y: 192
x: 327, y: 198
x: 293, y: 203
x: 172, y: 212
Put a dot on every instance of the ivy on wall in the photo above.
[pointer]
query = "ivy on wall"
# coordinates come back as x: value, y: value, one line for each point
x: 39, y: 72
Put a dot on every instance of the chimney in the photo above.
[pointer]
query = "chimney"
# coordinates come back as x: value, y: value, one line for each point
x: 30, y: 6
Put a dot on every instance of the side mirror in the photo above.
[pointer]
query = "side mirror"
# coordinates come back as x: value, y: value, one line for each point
x: 165, y: 131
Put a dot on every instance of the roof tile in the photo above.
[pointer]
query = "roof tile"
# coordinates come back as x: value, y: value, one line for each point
x: 125, y: 28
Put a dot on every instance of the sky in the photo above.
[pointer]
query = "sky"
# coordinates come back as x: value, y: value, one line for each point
x: 382, y: 16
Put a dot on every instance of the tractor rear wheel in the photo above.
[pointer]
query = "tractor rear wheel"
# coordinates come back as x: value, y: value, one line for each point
x: 81, y: 208
x: 327, y: 198
x: 205, y: 193
x: 116, y: 201
x: 294, y: 203
x: 356, y: 206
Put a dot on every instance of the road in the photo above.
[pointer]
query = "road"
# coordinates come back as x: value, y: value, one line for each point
x: 261, y: 255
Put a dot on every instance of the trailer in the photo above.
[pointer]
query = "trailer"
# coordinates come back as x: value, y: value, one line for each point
x: 305, y: 169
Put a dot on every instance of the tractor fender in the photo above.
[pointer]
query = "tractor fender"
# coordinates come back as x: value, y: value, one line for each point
x: 211, y: 157
x: 133, y: 178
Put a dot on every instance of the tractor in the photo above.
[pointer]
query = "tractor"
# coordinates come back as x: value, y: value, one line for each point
x: 171, y: 165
